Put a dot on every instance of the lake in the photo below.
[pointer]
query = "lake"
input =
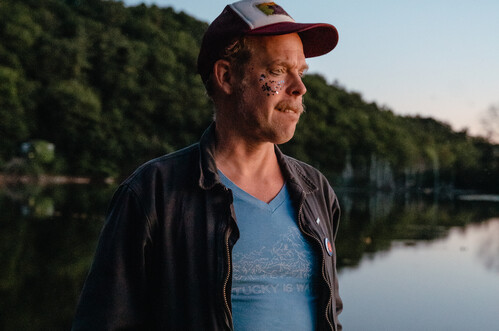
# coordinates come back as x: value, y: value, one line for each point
x: 420, y: 265
x: 406, y: 262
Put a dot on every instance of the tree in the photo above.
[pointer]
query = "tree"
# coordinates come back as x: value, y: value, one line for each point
x: 490, y: 123
x: 13, y: 128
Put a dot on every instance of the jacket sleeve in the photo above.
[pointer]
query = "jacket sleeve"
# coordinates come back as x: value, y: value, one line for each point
x: 113, y: 296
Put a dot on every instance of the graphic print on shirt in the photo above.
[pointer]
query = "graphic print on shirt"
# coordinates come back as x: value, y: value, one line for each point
x: 284, y: 267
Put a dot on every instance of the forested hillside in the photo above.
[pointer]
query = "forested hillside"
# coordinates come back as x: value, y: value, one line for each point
x: 113, y: 86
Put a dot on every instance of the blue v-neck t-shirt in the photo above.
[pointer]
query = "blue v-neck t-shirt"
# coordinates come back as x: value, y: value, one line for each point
x: 274, y: 267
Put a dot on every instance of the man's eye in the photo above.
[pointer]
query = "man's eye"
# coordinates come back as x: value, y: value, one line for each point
x: 277, y: 71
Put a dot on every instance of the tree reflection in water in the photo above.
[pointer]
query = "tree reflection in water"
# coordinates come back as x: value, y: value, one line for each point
x: 371, y: 222
x: 420, y: 266
x: 488, y: 244
x: 48, y: 237
x: 47, y: 240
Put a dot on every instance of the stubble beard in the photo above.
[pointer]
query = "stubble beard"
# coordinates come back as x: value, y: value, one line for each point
x: 250, y: 125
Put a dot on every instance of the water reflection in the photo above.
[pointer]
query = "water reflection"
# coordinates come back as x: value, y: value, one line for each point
x: 48, y: 237
x: 419, y: 266
x: 486, y: 238
x: 442, y: 284
x: 371, y: 222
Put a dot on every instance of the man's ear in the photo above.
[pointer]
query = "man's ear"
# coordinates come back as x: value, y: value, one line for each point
x: 222, y: 72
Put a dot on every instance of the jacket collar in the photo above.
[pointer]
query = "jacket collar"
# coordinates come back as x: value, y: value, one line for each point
x: 208, y: 174
x: 293, y: 172
x: 208, y: 178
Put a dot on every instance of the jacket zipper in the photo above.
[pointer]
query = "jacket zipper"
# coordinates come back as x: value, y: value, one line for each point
x: 227, y: 251
x: 323, y: 267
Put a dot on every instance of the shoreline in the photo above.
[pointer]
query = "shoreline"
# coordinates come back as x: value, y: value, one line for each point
x: 44, y: 179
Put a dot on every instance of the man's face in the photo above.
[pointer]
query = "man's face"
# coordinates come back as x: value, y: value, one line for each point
x: 269, y: 97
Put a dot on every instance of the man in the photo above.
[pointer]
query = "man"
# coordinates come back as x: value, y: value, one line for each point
x: 228, y: 233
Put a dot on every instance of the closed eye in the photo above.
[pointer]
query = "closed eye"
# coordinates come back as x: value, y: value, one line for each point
x: 277, y: 71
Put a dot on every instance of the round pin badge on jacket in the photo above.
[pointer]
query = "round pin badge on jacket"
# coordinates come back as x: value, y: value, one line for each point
x: 329, y: 246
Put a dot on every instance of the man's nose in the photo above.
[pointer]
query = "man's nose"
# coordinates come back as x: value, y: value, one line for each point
x: 296, y: 87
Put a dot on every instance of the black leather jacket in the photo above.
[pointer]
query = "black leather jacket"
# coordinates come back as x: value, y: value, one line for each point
x: 163, y: 261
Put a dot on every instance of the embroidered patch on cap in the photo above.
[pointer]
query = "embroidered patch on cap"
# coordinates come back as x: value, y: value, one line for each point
x: 270, y: 8
x: 329, y: 247
x: 258, y: 13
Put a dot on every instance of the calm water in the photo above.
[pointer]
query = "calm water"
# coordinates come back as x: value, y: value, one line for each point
x: 405, y: 263
x: 437, y: 269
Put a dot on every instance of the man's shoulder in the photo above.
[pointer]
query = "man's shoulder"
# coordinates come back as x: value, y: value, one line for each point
x: 172, y: 159
x: 175, y: 165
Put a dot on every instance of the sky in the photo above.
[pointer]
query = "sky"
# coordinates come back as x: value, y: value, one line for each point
x: 433, y: 58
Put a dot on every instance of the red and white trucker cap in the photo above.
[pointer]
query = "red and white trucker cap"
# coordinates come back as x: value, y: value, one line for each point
x: 257, y: 17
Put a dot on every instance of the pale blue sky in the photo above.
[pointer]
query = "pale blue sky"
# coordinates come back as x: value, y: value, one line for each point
x: 437, y: 58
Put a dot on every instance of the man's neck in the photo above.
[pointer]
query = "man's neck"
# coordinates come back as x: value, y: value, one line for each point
x: 250, y: 165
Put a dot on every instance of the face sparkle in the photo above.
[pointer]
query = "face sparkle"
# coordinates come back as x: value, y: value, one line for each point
x: 271, y: 87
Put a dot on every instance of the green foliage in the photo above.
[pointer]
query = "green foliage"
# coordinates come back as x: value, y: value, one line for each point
x: 13, y: 127
x: 110, y: 86
x: 113, y: 86
x: 44, y: 151
x: 340, y: 130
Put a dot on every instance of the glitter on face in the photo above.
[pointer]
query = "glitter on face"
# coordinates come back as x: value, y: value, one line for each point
x: 271, y: 87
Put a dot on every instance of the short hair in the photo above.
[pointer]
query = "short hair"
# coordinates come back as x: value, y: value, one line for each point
x: 238, y: 53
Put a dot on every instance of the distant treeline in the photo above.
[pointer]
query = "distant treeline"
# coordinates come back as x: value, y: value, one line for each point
x: 113, y: 86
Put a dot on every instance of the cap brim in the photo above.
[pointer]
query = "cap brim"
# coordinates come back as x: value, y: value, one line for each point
x: 318, y: 38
